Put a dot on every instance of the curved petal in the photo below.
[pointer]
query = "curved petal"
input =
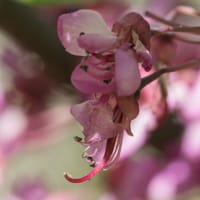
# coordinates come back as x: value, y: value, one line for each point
x: 95, y: 43
x: 127, y: 74
x: 71, y: 25
x: 101, y: 125
x: 97, y: 121
x: 88, y: 84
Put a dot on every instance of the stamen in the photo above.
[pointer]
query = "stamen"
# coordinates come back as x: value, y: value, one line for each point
x: 89, y: 159
x: 109, y: 150
x: 88, y: 176
x: 80, y: 140
x: 77, y: 139
x: 116, y: 114
x: 116, y: 152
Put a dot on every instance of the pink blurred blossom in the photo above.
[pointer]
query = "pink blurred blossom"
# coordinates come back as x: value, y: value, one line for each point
x: 134, y: 176
x: 25, y: 115
x: 168, y: 180
x: 37, y: 190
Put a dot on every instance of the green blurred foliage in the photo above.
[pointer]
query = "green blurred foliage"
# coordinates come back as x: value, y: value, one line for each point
x: 48, y: 162
x: 57, y: 2
x: 195, y: 3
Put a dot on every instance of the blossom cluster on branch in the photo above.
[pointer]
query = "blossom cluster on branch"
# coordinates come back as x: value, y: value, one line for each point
x: 111, y: 73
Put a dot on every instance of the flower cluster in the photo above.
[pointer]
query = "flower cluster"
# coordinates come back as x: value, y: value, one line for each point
x: 109, y: 73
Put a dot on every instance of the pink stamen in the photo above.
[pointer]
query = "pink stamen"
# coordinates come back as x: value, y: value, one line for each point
x: 109, y: 150
x: 88, y: 176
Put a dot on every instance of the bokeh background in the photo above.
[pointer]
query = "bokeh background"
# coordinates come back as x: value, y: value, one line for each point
x: 160, y: 162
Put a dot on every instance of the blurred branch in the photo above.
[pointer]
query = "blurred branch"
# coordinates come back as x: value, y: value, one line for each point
x: 35, y: 34
x: 152, y: 77
x: 160, y: 19
x: 175, y: 27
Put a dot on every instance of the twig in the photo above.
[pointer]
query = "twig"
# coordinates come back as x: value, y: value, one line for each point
x: 148, y: 79
x: 185, y: 29
x: 175, y: 27
x: 160, y: 19
x: 185, y: 39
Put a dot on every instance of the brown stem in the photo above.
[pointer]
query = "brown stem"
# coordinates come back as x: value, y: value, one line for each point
x: 148, y: 79
x: 174, y: 26
x: 179, y: 37
x: 184, y: 39
x: 185, y: 29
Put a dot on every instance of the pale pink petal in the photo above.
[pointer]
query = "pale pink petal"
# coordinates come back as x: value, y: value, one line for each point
x: 82, y: 112
x: 95, y: 152
x: 89, y: 84
x: 72, y: 25
x: 97, y: 121
x: 95, y: 43
x: 101, y: 125
x: 127, y: 74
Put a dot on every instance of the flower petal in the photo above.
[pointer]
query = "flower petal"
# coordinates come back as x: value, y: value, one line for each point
x: 97, y: 121
x: 147, y: 60
x: 138, y: 24
x: 82, y: 112
x: 71, y: 25
x: 95, y: 152
x: 95, y: 43
x: 127, y: 74
x: 90, y: 84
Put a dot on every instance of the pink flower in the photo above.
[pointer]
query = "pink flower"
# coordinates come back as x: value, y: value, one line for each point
x: 110, y: 62
x: 109, y: 71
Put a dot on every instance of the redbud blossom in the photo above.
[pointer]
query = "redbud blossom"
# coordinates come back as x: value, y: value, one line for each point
x: 109, y: 71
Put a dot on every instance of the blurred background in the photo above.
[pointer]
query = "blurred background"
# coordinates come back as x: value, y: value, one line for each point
x: 160, y: 162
